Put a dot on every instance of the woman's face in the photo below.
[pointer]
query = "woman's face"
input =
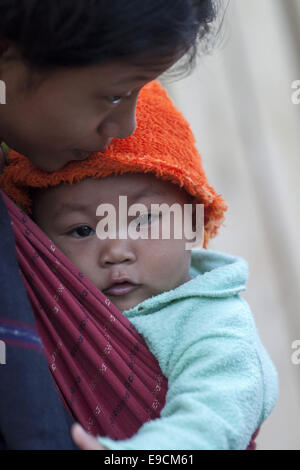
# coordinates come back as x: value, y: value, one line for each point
x: 72, y: 112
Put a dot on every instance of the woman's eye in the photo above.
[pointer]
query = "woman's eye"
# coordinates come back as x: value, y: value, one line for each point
x: 114, y: 99
x: 83, y: 231
x: 117, y: 99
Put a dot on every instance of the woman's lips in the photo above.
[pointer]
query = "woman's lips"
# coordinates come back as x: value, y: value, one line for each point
x: 120, y: 289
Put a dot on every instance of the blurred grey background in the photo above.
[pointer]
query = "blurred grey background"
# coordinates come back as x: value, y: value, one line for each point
x: 238, y: 102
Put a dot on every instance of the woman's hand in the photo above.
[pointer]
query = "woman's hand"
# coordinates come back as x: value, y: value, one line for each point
x: 83, y: 440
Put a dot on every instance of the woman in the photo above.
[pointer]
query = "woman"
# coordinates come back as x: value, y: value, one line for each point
x: 73, y: 72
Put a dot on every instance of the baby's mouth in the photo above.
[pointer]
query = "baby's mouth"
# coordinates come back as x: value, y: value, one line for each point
x: 120, y: 288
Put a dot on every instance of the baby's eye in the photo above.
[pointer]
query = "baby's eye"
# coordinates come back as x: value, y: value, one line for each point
x: 83, y: 231
x: 145, y: 219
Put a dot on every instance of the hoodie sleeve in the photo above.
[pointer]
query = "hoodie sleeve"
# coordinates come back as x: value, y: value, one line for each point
x: 217, y: 386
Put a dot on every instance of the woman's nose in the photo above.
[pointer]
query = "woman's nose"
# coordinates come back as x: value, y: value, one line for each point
x: 121, y: 122
x: 116, y: 252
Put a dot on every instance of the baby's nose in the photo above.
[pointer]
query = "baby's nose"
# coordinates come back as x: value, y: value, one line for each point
x: 116, y: 252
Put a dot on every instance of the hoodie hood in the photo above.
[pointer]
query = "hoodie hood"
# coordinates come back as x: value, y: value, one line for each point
x: 217, y: 274
x: 214, y: 275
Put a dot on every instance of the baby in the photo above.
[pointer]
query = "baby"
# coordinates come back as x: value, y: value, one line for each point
x: 185, y: 303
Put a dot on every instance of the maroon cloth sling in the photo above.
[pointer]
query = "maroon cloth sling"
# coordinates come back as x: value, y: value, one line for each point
x: 102, y: 368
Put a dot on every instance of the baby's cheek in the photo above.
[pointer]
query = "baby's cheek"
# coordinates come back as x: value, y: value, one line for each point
x: 75, y: 255
x: 159, y: 264
x: 84, y: 262
x: 175, y: 269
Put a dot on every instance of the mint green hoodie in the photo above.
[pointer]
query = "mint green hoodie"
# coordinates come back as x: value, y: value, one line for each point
x: 222, y: 383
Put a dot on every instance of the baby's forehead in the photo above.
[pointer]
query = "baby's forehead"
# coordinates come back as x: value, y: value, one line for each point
x: 137, y: 187
x: 132, y: 185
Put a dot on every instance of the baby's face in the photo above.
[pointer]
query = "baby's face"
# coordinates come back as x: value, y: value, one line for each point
x: 67, y: 214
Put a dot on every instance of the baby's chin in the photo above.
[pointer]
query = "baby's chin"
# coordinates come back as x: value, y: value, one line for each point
x: 123, y: 304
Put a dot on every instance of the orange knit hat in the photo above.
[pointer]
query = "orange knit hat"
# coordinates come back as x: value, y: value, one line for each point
x: 163, y: 144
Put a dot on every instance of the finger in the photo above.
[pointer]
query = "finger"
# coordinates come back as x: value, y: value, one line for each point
x: 83, y: 440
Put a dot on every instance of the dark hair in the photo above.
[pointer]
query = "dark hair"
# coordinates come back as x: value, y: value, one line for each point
x: 65, y: 33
